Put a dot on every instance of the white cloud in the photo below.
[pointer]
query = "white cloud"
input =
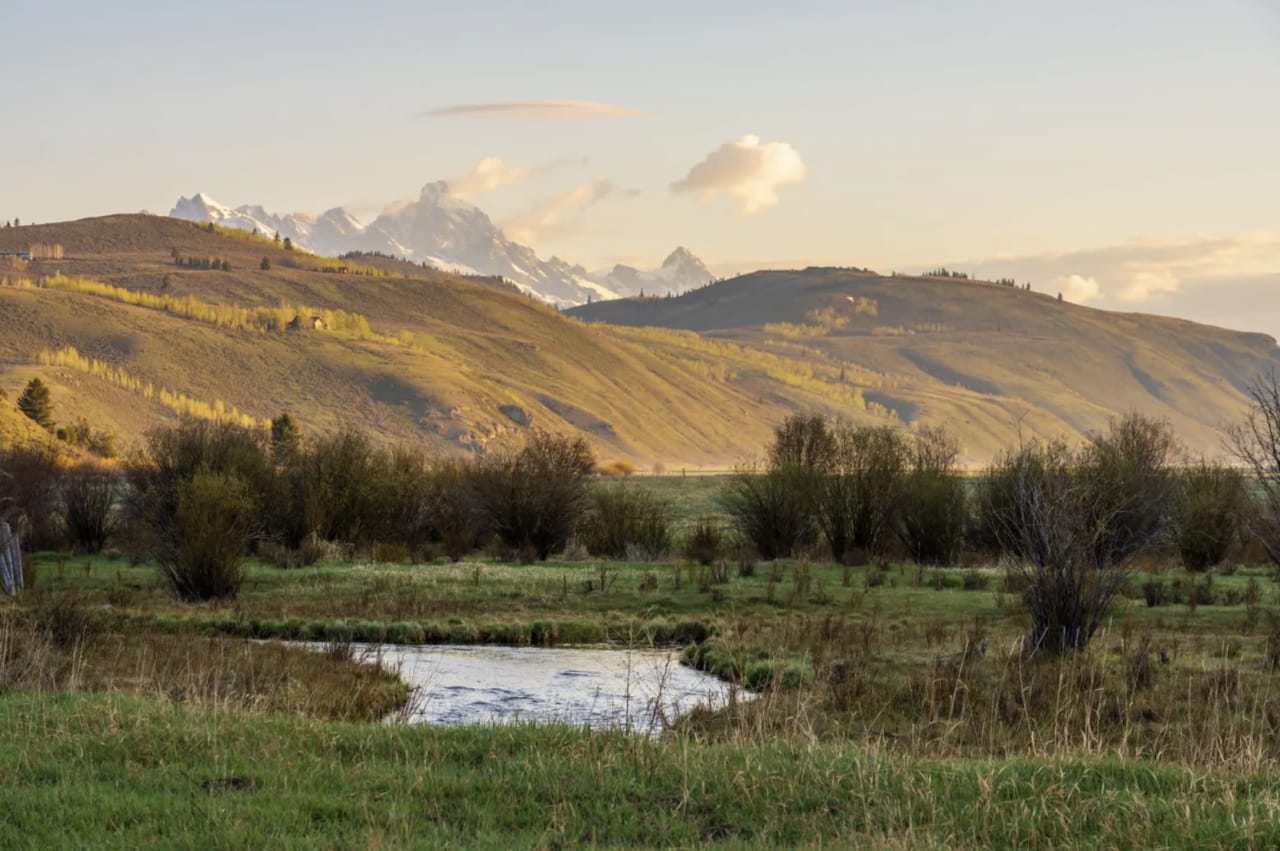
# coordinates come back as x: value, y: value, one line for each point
x: 558, y: 215
x: 747, y: 170
x: 1078, y: 288
x: 532, y: 109
x: 1146, y: 285
x: 494, y: 173
x: 1141, y: 270
x: 487, y: 175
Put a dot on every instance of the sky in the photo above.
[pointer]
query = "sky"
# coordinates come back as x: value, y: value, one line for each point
x: 1125, y: 153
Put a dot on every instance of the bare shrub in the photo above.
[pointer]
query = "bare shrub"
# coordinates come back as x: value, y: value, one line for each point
x: 89, y: 496
x: 626, y: 522
x: 171, y: 460
x: 332, y: 486
x: 212, y: 526
x: 803, y: 441
x: 1074, y: 520
x: 773, y: 509
x: 1208, y: 503
x: 64, y: 618
x: 455, y: 512
x: 404, y: 499
x: 934, y: 506
x: 30, y: 477
x: 704, y: 542
x: 860, y: 491
x: 1256, y: 442
x: 532, y: 498
x: 1128, y: 472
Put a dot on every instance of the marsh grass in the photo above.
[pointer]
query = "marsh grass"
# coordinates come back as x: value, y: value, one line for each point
x: 897, y: 711
x: 211, y: 672
x: 89, y: 768
x: 895, y: 652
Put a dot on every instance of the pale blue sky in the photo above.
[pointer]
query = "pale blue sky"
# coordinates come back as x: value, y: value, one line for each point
x: 929, y: 132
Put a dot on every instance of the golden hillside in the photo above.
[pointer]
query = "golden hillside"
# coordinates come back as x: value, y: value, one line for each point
x: 980, y: 358
x: 128, y: 337
x: 145, y: 318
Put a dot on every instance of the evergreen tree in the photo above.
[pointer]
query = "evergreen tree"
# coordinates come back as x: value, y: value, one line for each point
x: 265, y: 265
x: 36, y: 404
x: 286, y: 437
x: 288, y: 244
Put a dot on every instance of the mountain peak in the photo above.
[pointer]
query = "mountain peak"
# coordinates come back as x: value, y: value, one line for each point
x: 434, y: 190
x: 680, y: 255
x: 450, y: 232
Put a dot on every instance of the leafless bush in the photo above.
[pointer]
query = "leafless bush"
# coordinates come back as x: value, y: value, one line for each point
x: 1074, y: 520
x: 89, y: 496
x: 773, y: 509
x: 29, y: 480
x: 532, y: 498
x: 704, y: 542
x: 861, y: 489
x: 213, y: 523
x: 626, y: 522
x: 1256, y: 442
x: 934, y: 505
x: 456, y: 516
x: 1208, y: 505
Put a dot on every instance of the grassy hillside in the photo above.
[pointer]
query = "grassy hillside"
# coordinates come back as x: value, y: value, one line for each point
x: 144, y: 318
x: 978, y: 357
x: 117, y: 327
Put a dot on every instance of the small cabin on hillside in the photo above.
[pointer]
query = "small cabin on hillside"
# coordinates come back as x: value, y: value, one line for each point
x: 313, y: 323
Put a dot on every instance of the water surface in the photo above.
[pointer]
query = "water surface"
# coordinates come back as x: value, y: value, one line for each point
x: 603, y: 688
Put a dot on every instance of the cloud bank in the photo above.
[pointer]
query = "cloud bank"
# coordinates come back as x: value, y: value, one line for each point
x: 525, y: 109
x: 1140, y: 272
x: 747, y: 170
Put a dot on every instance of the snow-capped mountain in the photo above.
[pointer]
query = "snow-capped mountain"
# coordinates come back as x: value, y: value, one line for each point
x: 450, y: 233
x: 681, y: 271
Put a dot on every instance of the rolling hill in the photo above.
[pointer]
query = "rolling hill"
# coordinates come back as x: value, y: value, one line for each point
x: 977, y: 357
x: 134, y: 326
x: 145, y: 318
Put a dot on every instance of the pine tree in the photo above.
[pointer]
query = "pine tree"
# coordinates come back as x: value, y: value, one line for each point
x: 36, y: 404
x: 265, y: 265
x: 286, y: 437
x: 288, y: 244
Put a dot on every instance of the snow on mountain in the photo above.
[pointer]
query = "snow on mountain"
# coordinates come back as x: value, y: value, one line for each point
x: 452, y: 234
x: 681, y: 271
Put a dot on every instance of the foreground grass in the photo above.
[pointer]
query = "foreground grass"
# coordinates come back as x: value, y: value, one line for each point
x: 115, y: 771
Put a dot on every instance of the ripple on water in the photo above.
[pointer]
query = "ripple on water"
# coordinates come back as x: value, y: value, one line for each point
x: 597, y: 687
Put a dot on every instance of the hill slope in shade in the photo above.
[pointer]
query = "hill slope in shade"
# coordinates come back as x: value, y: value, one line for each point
x: 939, y: 341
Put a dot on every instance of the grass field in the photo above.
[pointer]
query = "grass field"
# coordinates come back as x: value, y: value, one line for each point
x: 108, y: 771
x: 895, y: 707
x: 880, y: 724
